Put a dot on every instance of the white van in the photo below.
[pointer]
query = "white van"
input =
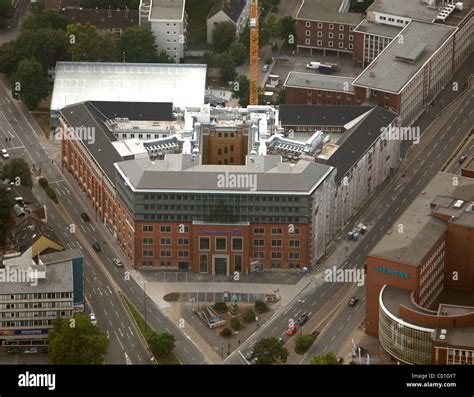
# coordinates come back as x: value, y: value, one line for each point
x: 313, y: 65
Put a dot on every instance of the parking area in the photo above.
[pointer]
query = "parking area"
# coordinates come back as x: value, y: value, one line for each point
x: 297, y: 63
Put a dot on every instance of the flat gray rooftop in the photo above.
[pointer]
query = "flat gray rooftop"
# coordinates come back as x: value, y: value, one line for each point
x: 58, y: 278
x: 420, y: 229
x: 399, y: 62
x: 413, y: 9
x: 180, y: 173
x: 319, y: 81
x: 167, y: 10
x: 377, y: 29
x: 327, y: 11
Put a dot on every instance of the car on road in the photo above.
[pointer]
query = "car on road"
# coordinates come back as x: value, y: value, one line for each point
x: 462, y: 159
x: 85, y: 217
x: 31, y: 350
x: 264, y: 68
x: 353, y: 301
x: 13, y: 350
x: 5, y: 154
x: 93, y: 319
x: 281, y: 341
x: 117, y: 262
x: 292, y: 330
x: 303, y: 319
x: 96, y: 247
x: 249, y: 355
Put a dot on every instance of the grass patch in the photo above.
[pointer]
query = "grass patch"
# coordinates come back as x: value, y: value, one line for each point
x: 145, y: 330
x: 197, y: 11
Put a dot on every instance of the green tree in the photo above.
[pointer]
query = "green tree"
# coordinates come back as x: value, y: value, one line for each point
x: 223, y: 36
x: 46, y: 45
x: 271, y: 24
x: 236, y: 52
x: 303, y: 342
x: 242, y: 90
x: 261, y: 306
x: 326, y: 358
x: 84, y: 43
x: 30, y: 83
x: 18, y: 168
x: 161, y: 345
x: 235, y: 324
x: 77, y: 341
x: 6, y: 204
x: 163, y: 57
x: 249, y: 316
x: 287, y: 32
x: 6, y: 11
x: 108, y: 48
x: 51, y: 18
x: 139, y: 45
x: 9, y: 58
x: 270, y: 351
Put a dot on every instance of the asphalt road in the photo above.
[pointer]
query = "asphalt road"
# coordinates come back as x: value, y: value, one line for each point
x: 391, y: 205
x: 102, y: 279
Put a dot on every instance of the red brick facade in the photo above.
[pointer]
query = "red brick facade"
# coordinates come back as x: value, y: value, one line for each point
x: 309, y: 96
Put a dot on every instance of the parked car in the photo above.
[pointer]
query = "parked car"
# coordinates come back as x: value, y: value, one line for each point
x: 93, y: 319
x: 292, y: 330
x: 85, y: 217
x: 249, y: 355
x: 96, y: 247
x: 13, y: 350
x: 462, y: 159
x: 5, y: 154
x: 117, y: 262
x: 31, y: 350
x: 303, y: 319
x: 264, y: 68
x: 281, y: 341
x: 353, y: 301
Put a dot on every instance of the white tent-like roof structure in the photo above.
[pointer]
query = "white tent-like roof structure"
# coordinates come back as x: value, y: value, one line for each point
x: 181, y: 84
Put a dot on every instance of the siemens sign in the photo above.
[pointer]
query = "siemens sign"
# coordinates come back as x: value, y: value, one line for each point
x: 391, y: 272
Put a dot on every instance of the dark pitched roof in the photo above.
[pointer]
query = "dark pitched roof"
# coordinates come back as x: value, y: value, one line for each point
x: 358, y: 140
x: 336, y: 115
x: 29, y: 230
x: 100, y: 147
x: 61, y: 4
x: 233, y: 8
x: 147, y: 111
x: 103, y: 19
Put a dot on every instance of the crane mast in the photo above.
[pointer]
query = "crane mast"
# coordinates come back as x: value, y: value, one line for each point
x: 253, y: 24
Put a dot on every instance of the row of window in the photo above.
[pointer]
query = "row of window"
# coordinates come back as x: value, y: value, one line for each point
x: 277, y: 243
x: 185, y: 229
x: 331, y: 26
x: 394, y: 20
x: 178, y: 197
x: 330, y: 35
x: 319, y: 43
x: 46, y: 295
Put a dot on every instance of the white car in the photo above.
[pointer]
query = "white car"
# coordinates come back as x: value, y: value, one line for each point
x: 117, y: 262
x: 93, y: 319
x: 264, y: 68
x: 5, y: 154
x: 31, y: 350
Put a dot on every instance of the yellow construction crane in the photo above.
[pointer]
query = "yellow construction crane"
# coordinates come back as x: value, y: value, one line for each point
x: 254, y: 53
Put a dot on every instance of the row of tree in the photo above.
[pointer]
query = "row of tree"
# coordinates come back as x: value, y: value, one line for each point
x: 47, y: 36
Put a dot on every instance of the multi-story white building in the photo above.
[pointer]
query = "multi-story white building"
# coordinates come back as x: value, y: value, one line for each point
x: 167, y: 20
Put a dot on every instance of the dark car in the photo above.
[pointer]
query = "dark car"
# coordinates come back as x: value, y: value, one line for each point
x: 353, y: 301
x: 249, y: 355
x: 96, y: 247
x: 303, y: 319
x: 85, y: 217
x: 13, y: 350
x: 462, y: 159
